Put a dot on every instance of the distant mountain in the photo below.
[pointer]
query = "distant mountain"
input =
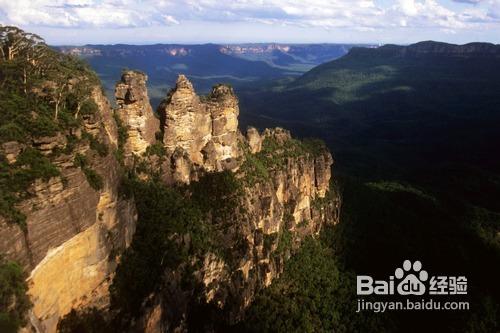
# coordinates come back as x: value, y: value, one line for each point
x: 428, y: 49
x: 429, y: 97
x: 299, y: 55
x: 206, y: 65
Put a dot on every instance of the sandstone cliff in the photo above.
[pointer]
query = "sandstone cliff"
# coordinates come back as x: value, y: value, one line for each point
x: 286, y: 196
x: 199, y: 134
x: 275, y: 191
x: 71, y: 229
x: 289, y: 201
x: 135, y: 112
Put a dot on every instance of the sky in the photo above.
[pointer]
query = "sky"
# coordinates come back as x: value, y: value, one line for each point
x: 78, y: 22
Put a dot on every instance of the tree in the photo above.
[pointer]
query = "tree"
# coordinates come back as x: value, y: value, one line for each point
x: 24, y: 49
x: 16, y: 42
x: 81, y: 91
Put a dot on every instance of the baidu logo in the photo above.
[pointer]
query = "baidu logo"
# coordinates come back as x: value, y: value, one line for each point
x: 411, y: 279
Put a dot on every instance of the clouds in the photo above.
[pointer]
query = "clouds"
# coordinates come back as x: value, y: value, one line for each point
x: 84, y: 13
x: 334, y: 15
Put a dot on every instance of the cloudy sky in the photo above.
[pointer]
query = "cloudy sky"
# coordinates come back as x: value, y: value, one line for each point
x: 234, y: 21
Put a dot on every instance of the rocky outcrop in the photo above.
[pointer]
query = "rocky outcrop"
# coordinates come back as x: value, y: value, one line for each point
x: 290, y: 200
x: 11, y: 150
x: 135, y: 112
x: 286, y: 197
x: 199, y: 134
x: 76, y: 230
x: 254, y: 140
x: 72, y: 231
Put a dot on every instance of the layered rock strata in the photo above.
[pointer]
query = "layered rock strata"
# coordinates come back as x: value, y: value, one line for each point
x: 199, y: 133
x: 135, y: 112
x: 72, y: 231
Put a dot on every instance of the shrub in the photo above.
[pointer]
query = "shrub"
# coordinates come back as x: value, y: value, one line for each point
x: 93, y: 178
x: 14, y: 303
x: 89, y: 107
x: 99, y: 147
x: 83, y: 321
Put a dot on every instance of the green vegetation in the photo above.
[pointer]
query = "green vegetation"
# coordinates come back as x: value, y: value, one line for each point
x: 36, y: 95
x: 285, y: 243
x: 42, y: 93
x: 156, y: 149
x: 381, y: 228
x: 122, y: 137
x: 414, y: 138
x: 14, y: 303
x: 269, y: 240
x: 254, y: 169
x: 398, y: 187
x: 315, y: 294
x: 84, y: 321
x: 96, y: 145
x: 93, y: 178
x: 15, y: 179
x: 274, y: 155
x: 174, y: 226
x: 163, y: 214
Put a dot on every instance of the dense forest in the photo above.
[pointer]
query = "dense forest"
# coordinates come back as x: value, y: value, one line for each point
x: 414, y: 134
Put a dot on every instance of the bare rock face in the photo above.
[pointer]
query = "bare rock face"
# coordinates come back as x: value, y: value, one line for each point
x: 135, y: 112
x: 11, y: 150
x: 205, y: 130
x: 254, y: 140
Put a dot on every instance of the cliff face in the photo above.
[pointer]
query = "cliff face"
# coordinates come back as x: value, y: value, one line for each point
x: 135, y: 112
x: 286, y: 196
x: 71, y: 228
x: 78, y: 224
x: 199, y: 134
x: 276, y: 211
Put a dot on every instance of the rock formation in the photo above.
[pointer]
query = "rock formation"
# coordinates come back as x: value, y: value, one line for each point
x: 75, y: 231
x: 199, y: 134
x: 284, y: 203
x: 282, y: 208
x: 135, y: 112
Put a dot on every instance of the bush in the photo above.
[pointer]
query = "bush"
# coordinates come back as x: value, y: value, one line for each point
x: 93, y: 178
x: 122, y: 137
x: 89, y: 107
x: 163, y: 216
x: 174, y: 225
x: 314, y: 294
x: 83, y: 321
x: 99, y: 147
x: 14, y: 303
x: 11, y: 132
x: 16, y: 178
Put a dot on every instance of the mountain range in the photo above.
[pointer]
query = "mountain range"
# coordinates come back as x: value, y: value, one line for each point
x: 206, y: 65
